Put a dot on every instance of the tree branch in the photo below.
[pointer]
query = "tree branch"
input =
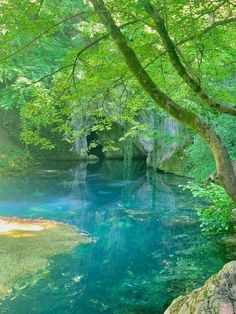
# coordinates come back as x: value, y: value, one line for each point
x: 95, y: 42
x: 73, y: 64
x: 184, y: 71
x: 41, y: 34
x: 187, y: 117
x: 40, y: 79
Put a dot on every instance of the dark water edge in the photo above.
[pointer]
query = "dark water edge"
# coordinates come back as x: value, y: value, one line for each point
x: 149, y: 246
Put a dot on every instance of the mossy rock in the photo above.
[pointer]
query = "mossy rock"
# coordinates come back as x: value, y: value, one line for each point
x: 182, y: 221
x: 26, y: 247
x: 216, y: 296
x: 177, y: 163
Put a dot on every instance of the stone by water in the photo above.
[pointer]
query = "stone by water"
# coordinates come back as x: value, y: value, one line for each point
x: 148, y: 250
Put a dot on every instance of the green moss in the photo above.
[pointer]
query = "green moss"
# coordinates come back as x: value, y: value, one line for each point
x: 177, y: 163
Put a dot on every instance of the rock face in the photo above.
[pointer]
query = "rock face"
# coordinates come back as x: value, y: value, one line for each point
x: 167, y: 129
x: 217, y: 296
x: 81, y: 144
x: 165, y: 151
x: 170, y: 140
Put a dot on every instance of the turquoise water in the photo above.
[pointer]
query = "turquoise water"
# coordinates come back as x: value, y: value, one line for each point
x: 148, y: 249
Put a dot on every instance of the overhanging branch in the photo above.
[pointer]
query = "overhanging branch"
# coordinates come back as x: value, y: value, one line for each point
x: 185, y: 72
x: 41, y: 35
x: 187, y: 117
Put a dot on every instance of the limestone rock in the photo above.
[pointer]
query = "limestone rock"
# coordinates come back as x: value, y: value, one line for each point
x: 217, y: 296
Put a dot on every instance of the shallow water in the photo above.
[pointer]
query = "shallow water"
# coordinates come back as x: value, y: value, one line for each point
x: 148, y: 249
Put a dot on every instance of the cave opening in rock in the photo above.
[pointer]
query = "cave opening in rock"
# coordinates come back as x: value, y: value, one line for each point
x: 92, y: 137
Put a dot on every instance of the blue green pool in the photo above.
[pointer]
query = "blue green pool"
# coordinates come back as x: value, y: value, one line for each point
x: 148, y: 245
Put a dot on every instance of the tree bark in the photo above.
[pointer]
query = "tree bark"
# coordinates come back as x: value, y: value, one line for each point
x: 183, y: 71
x: 190, y: 119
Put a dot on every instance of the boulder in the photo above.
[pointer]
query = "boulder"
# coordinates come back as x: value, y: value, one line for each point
x: 217, y: 296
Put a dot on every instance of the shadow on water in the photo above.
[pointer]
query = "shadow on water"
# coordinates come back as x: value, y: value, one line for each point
x: 149, y: 247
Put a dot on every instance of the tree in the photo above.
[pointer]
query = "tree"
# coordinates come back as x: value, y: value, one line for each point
x: 182, y: 69
x: 92, y: 74
x: 189, y: 118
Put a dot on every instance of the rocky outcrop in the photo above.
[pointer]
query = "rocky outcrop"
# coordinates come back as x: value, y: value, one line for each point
x: 167, y: 145
x: 217, y: 296
x: 158, y: 143
x: 80, y: 146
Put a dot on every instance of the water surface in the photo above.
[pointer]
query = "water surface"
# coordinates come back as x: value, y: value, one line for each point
x: 148, y: 249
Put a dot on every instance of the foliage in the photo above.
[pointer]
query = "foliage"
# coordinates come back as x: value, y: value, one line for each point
x: 199, y: 152
x: 99, y: 80
x: 58, y: 66
x: 13, y: 159
x: 216, y: 217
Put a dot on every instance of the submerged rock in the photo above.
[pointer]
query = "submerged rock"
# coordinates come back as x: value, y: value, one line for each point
x: 26, y: 245
x: 218, y: 295
x: 181, y: 221
x: 139, y: 214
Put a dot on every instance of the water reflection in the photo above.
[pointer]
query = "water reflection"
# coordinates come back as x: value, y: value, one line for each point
x: 148, y: 250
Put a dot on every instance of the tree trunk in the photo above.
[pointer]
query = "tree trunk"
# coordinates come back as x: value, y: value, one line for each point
x: 187, y: 117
